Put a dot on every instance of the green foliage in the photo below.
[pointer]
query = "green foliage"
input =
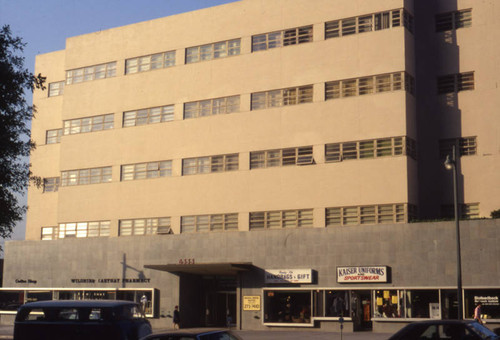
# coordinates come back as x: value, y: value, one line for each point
x: 15, y: 117
x: 495, y: 213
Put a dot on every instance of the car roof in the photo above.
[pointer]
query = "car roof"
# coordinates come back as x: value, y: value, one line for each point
x: 443, y: 322
x: 77, y: 303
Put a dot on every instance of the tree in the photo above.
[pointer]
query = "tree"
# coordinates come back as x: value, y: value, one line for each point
x: 15, y: 117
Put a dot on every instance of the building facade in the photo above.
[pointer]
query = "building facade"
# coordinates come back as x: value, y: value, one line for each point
x: 259, y: 163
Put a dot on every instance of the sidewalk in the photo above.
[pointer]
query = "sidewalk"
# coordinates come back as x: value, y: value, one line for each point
x: 6, y: 333
x: 315, y: 335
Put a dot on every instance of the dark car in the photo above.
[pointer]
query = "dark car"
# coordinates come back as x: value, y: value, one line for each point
x: 82, y: 319
x: 445, y: 329
x: 194, y: 334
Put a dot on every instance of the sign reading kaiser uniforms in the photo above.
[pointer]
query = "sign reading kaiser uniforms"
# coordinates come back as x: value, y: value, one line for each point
x: 288, y: 276
x: 362, y: 274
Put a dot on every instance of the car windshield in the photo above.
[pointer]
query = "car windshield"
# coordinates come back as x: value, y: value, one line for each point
x: 482, y: 331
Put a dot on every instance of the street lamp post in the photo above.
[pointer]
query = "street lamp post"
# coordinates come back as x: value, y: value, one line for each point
x: 451, y: 164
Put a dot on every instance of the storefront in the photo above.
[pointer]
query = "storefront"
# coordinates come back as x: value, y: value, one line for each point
x: 267, y: 279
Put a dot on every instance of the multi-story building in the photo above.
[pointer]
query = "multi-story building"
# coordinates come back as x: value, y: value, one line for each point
x: 262, y: 160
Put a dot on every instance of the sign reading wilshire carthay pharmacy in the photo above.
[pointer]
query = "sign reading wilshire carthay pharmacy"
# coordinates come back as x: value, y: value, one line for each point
x: 362, y: 274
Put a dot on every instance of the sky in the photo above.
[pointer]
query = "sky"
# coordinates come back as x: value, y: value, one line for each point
x: 44, y: 26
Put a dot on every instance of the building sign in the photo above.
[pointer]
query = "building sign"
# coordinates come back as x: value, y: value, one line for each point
x: 112, y: 280
x: 362, y: 274
x: 251, y: 302
x: 288, y: 276
x: 487, y: 300
x: 26, y: 281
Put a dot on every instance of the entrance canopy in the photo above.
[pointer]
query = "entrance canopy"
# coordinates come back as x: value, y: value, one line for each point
x: 225, y: 268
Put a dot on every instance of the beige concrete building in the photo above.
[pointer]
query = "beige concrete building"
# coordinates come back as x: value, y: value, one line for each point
x: 170, y: 148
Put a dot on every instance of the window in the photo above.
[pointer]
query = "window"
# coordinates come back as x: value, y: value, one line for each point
x: 467, y: 146
x: 209, y: 164
x: 287, y: 37
x: 281, y: 157
x: 145, y: 226
x: 281, y: 219
x: 56, y: 89
x: 370, y: 214
x: 132, y: 172
x: 465, y: 211
x: 455, y: 82
x: 91, y: 73
x: 368, y: 23
x: 282, y: 97
x: 217, y: 222
x: 88, y: 124
x: 51, y: 184
x: 453, y: 20
x: 368, y: 85
x: 287, y: 306
x: 383, y: 147
x: 212, y: 51
x: 83, y: 229
x: 148, y: 116
x: 212, y: 107
x: 490, y: 302
x: 150, y: 62
x: 49, y: 233
x: 86, y: 176
x: 53, y: 136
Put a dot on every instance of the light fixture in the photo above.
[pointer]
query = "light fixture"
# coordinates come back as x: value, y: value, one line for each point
x: 450, y: 164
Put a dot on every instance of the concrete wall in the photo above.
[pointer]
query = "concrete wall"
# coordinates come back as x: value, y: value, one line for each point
x: 421, y: 255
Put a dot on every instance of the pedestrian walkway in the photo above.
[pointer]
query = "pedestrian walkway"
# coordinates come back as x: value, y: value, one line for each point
x: 306, y: 335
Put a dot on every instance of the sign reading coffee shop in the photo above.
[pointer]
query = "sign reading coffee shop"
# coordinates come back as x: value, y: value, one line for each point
x: 362, y: 274
x: 288, y: 276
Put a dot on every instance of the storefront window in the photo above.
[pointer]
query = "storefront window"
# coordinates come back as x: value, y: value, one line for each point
x: 331, y: 303
x: 337, y: 303
x: 11, y: 300
x: 33, y: 296
x: 388, y: 303
x: 490, y: 303
x: 422, y: 304
x: 287, y: 306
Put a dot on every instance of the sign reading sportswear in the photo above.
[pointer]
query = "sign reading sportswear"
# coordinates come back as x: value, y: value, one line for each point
x: 288, y: 276
x: 362, y: 274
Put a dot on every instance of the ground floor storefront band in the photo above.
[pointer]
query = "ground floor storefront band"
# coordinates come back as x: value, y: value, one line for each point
x: 374, y: 278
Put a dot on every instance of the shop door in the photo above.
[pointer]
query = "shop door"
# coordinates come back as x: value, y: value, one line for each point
x: 361, y: 306
x: 220, y: 302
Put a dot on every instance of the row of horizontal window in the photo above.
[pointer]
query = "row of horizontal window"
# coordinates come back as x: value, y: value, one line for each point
x: 287, y: 37
x: 453, y: 20
x: 392, y: 146
x: 368, y: 23
x: 276, y: 219
x: 225, y: 105
x: 334, y: 152
x: 333, y: 29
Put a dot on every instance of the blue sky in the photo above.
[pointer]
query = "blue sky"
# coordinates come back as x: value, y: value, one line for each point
x: 45, y: 24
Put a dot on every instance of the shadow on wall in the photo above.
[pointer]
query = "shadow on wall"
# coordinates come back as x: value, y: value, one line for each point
x: 439, y: 118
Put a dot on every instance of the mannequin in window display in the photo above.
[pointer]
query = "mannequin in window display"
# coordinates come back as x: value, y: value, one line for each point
x: 388, y: 310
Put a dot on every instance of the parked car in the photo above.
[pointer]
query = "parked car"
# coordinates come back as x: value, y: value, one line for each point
x: 445, y: 329
x: 82, y: 319
x: 194, y: 334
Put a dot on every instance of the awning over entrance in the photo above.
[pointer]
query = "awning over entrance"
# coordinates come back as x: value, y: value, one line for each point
x: 226, y: 268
